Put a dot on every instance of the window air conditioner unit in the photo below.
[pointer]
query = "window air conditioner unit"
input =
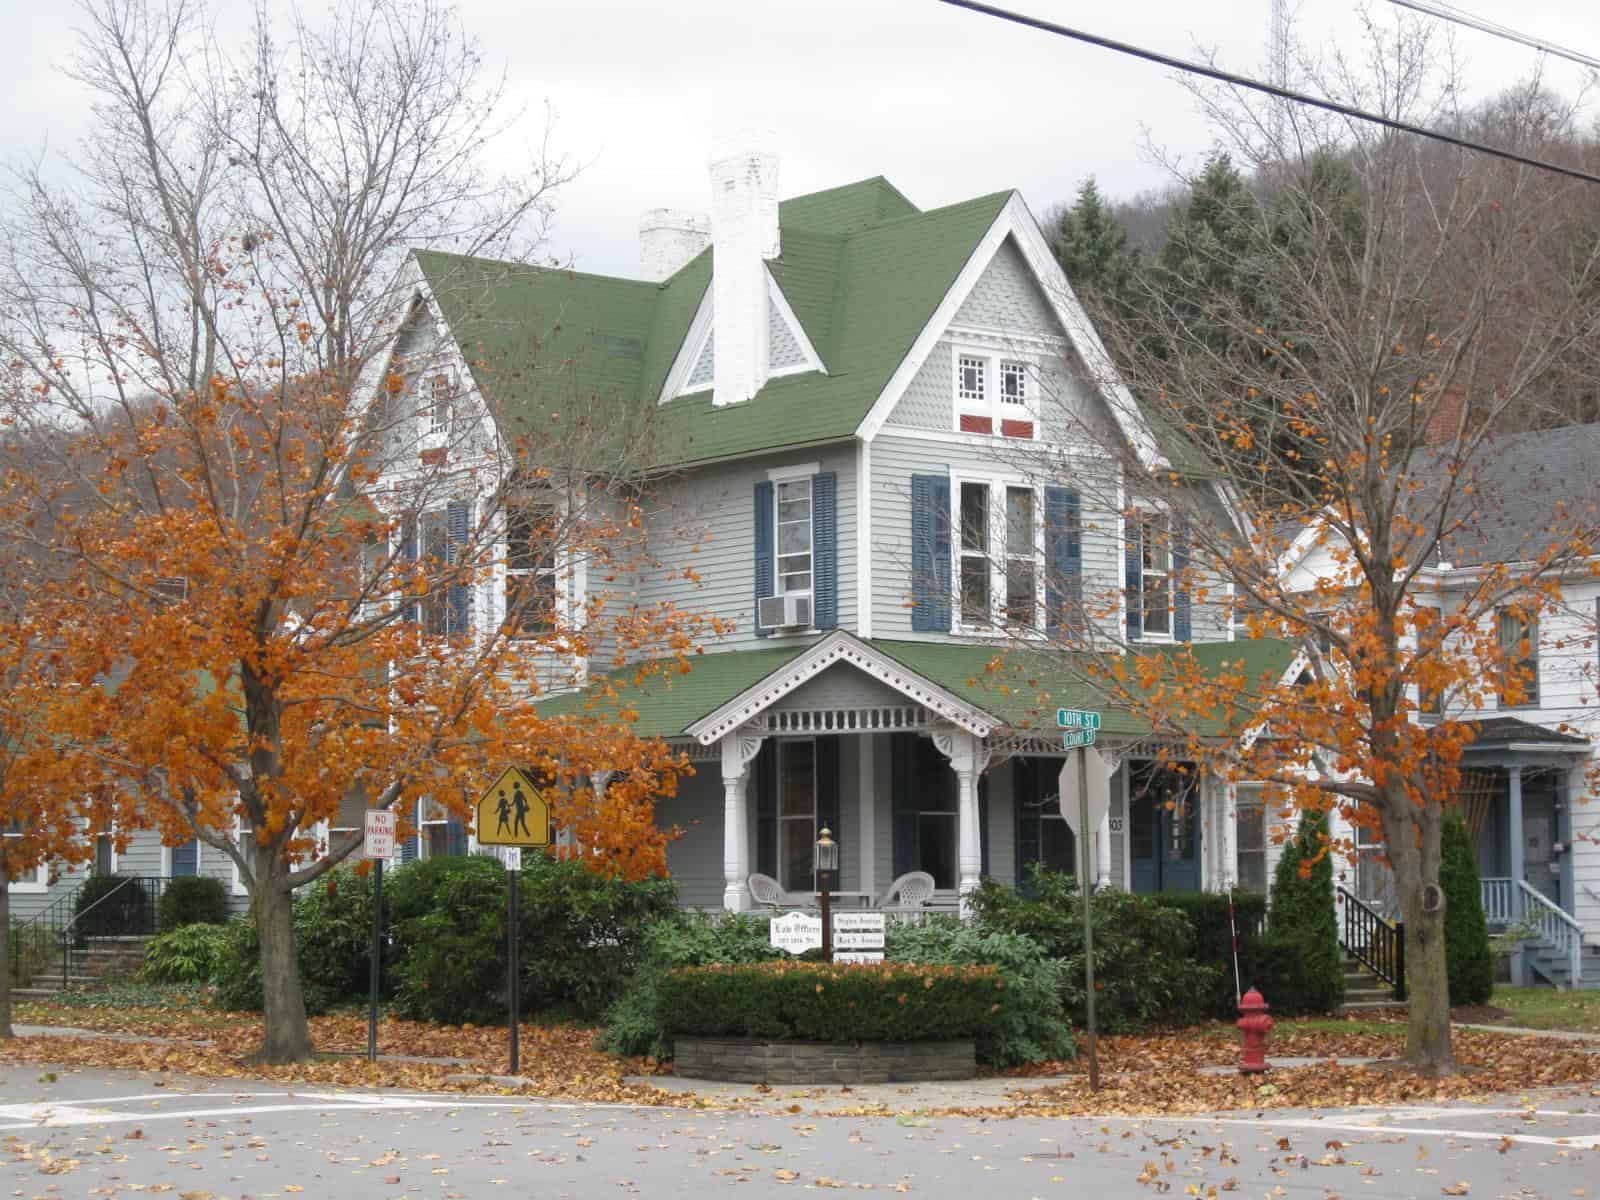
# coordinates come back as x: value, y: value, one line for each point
x: 784, y: 612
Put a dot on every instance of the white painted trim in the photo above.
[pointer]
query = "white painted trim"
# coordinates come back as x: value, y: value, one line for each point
x: 694, y: 341
x: 30, y: 887
x: 863, y: 517
x: 981, y: 443
x: 794, y: 471
x: 994, y: 353
x: 841, y: 646
x: 813, y: 361
x: 1015, y: 220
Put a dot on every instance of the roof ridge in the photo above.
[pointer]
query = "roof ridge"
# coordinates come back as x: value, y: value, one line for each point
x: 511, y: 264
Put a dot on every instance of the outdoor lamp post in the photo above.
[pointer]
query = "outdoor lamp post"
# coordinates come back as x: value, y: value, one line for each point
x: 825, y: 859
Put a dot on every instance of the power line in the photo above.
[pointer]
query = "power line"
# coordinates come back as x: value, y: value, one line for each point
x: 1256, y: 85
x: 1448, y: 12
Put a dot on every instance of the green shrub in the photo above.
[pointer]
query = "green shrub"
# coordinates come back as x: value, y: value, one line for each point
x: 110, y: 906
x: 888, y: 1002
x: 634, y: 1023
x: 449, y: 924
x: 1145, y: 971
x: 1213, y: 940
x: 1466, y: 931
x: 1035, y: 1026
x: 236, y: 971
x: 187, y: 954
x: 192, y: 900
x: 582, y: 935
x: 1302, y: 914
x: 33, y: 950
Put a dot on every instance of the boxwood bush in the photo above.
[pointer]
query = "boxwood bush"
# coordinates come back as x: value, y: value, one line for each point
x: 885, y: 1002
x: 634, y: 1024
x: 192, y: 900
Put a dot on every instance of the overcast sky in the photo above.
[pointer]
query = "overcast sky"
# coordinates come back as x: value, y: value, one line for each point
x: 946, y: 103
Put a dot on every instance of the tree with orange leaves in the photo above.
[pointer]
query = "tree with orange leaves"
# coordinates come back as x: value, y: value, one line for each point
x: 1331, y: 412
x: 269, y: 608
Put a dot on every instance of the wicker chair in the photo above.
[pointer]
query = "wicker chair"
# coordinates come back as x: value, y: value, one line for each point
x: 768, y: 892
x: 908, y: 893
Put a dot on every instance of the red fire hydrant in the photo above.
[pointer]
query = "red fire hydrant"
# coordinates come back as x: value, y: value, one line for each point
x: 1255, y: 1024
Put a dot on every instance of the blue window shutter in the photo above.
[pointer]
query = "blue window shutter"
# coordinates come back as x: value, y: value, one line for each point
x: 408, y: 553
x: 455, y: 838
x: 1133, y: 564
x: 1023, y: 790
x: 1181, y: 624
x: 763, y: 571
x: 764, y: 775
x: 458, y: 530
x: 1063, y: 566
x: 410, y: 848
x: 824, y: 551
x: 186, y: 858
x: 930, y: 553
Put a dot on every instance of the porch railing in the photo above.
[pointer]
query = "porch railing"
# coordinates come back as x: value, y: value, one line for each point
x: 1499, y: 899
x: 127, y: 909
x: 1552, y: 923
x: 1373, y: 941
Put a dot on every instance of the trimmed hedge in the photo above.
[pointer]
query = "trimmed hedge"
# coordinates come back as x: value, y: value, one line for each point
x: 192, y: 900
x: 1213, y: 940
x: 867, y: 1002
x: 1468, y: 958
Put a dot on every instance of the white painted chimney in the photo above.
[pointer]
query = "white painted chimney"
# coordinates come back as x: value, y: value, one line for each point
x: 744, y: 234
x: 669, y: 239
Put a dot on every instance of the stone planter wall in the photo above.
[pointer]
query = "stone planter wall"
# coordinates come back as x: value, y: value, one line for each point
x: 750, y: 1060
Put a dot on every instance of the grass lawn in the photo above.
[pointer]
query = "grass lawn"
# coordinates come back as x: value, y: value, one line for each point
x: 1546, y: 1008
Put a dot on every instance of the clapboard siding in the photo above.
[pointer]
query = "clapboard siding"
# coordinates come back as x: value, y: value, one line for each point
x: 705, y: 520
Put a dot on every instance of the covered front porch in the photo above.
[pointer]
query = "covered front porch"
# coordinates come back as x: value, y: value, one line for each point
x: 912, y: 766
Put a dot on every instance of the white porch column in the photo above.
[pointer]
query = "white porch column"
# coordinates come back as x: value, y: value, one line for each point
x: 866, y: 813
x: 739, y: 749
x: 1518, y: 839
x: 1102, y: 852
x: 968, y: 756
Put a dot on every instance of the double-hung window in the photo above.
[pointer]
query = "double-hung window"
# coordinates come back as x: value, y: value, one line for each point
x: 1250, y: 846
x: 999, y: 553
x: 1154, y: 531
x: 35, y: 880
x: 793, y: 500
x: 995, y: 394
x: 530, y: 566
x: 1519, y: 647
x: 441, y: 401
x: 434, y: 536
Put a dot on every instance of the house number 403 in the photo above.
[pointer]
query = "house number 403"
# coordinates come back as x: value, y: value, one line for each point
x: 1116, y: 824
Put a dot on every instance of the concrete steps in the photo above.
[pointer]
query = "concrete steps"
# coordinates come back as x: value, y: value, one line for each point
x: 1364, y: 992
x: 102, y: 959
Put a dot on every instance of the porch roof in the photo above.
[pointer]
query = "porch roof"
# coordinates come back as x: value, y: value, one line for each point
x: 1499, y: 731
x: 1019, y: 690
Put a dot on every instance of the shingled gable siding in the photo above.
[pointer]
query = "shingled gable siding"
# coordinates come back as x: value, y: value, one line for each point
x: 896, y: 459
x: 711, y: 508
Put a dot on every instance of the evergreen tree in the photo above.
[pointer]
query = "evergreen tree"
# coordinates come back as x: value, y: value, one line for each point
x: 1208, y: 253
x: 1302, y: 915
x: 1092, y: 247
x: 1468, y: 958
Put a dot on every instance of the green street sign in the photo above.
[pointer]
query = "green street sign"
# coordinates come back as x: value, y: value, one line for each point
x: 1077, y: 718
x: 1071, y: 739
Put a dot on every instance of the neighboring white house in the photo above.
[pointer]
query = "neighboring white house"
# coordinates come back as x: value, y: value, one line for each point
x: 1525, y: 794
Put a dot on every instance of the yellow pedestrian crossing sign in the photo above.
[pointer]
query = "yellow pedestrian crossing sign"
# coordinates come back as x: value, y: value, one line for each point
x: 511, y: 812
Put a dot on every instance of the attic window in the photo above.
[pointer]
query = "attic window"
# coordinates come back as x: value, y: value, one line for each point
x: 994, y: 395
x: 443, y: 389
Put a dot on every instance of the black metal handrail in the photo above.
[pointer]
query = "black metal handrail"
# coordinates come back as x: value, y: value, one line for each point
x: 1371, y: 940
x: 127, y: 910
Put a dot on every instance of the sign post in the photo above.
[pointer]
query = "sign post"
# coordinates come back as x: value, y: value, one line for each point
x: 513, y: 815
x: 378, y: 845
x: 1079, y: 728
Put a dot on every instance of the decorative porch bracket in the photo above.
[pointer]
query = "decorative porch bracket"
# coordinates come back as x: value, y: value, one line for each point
x: 968, y: 757
x: 739, y: 749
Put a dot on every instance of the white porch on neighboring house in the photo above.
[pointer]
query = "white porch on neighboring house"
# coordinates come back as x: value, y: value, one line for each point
x: 908, y: 774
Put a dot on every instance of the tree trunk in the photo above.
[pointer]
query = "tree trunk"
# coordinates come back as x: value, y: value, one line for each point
x: 5, y: 956
x: 288, y: 1036
x: 1427, y: 984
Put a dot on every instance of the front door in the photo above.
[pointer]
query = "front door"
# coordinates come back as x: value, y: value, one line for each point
x: 1164, y: 828
x: 1540, y: 866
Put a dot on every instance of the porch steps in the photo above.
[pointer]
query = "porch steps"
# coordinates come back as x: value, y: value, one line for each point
x: 1552, y: 965
x: 1364, y: 992
x: 104, y: 958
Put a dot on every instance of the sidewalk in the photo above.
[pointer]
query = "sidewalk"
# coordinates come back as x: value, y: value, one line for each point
x: 67, y: 1031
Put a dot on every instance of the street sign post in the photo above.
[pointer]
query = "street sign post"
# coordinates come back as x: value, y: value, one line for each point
x: 513, y: 815
x: 377, y: 843
x: 1078, y: 719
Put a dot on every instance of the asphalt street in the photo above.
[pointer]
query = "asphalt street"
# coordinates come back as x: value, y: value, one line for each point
x: 126, y: 1134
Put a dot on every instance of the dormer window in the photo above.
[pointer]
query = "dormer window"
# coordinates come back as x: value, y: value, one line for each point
x: 994, y: 395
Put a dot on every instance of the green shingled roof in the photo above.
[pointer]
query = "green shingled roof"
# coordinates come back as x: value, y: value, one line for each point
x: 863, y: 270
x: 1022, y: 694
